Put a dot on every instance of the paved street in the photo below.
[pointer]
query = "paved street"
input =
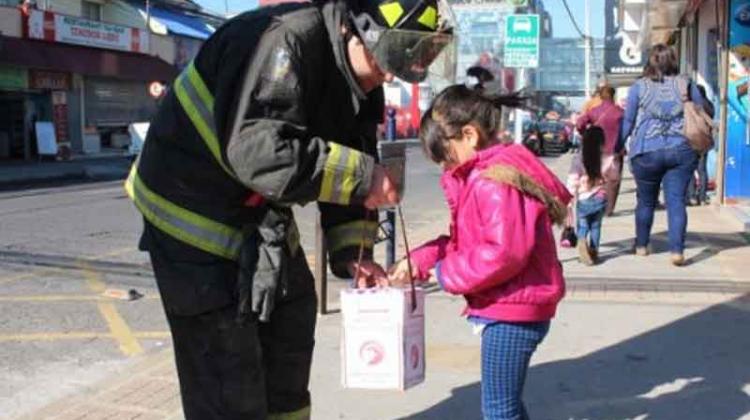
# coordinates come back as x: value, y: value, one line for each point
x: 635, y: 338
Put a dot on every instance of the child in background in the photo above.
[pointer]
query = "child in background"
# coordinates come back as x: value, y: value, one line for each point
x: 586, y: 183
x: 501, y: 252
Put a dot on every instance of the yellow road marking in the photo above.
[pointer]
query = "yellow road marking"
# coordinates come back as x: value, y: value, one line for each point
x: 64, y: 298
x: 129, y: 345
x: 77, y: 335
x: 73, y: 335
x: 153, y: 334
x: 47, y: 271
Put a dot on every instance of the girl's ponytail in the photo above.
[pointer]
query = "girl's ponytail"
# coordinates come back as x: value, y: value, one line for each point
x: 459, y: 105
x: 494, y: 93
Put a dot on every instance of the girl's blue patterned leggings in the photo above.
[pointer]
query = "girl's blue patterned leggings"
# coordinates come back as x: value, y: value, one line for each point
x: 506, y: 351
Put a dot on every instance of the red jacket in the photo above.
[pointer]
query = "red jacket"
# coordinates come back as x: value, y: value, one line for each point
x: 501, y: 252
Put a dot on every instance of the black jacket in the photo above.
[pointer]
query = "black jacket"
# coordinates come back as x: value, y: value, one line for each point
x: 282, y: 93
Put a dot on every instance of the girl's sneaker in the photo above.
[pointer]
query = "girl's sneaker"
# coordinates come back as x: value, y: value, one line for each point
x: 584, y: 254
x: 594, y: 255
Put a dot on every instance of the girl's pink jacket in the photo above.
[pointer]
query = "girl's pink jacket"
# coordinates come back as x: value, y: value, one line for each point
x: 501, y: 252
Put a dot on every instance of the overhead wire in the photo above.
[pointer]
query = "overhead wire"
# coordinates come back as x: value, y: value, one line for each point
x: 573, y: 20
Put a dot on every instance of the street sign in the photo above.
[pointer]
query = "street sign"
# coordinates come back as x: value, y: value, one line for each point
x: 521, y: 41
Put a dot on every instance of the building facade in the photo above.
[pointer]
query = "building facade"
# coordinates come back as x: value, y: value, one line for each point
x: 74, y: 74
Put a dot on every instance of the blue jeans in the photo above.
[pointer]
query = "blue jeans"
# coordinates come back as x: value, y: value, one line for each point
x: 589, y: 214
x: 697, y: 190
x: 675, y: 167
x: 506, y: 352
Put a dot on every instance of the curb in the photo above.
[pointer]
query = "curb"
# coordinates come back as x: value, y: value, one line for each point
x: 33, y: 175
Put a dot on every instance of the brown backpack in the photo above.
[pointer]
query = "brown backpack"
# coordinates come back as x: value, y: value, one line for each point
x: 698, y: 124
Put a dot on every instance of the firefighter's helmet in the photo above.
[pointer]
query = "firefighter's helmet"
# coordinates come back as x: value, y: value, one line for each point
x: 406, y: 36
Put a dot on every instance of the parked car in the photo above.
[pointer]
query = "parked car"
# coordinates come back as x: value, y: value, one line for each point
x: 553, y: 137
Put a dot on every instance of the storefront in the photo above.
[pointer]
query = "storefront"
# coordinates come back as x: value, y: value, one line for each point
x: 89, y: 80
x: 90, y: 92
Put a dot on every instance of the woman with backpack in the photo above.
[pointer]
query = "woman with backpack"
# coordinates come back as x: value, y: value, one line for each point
x: 658, y: 148
x: 608, y: 116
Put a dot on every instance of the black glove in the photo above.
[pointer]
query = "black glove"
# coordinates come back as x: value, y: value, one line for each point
x: 262, y: 266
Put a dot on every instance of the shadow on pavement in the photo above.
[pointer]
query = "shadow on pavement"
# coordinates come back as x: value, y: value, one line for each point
x: 712, y: 244
x: 695, y: 368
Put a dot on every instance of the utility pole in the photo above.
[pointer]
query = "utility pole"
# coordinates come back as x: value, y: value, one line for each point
x: 722, y: 42
x: 586, y: 50
x: 148, y: 26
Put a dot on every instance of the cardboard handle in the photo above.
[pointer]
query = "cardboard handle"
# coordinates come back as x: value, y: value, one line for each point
x: 408, y: 260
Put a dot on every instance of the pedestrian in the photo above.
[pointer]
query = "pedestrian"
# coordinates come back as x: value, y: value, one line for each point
x: 500, y: 253
x: 608, y: 116
x: 658, y: 150
x: 697, y: 188
x: 587, y: 184
x: 235, y: 143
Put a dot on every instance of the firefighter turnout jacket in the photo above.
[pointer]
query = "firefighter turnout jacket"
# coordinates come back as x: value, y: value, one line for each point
x: 269, y: 106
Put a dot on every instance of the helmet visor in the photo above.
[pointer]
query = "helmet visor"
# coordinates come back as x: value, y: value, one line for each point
x: 409, y: 55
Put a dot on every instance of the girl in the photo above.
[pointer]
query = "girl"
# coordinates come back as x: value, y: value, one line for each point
x: 500, y: 253
x: 586, y: 183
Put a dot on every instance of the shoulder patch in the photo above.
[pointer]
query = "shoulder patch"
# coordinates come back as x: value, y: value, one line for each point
x: 281, y: 64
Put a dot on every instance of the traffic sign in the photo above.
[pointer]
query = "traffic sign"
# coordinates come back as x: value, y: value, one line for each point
x: 156, y: 89
x: 521, y: 41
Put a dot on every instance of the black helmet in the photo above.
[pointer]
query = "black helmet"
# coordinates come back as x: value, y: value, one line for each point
x: 405, y: 36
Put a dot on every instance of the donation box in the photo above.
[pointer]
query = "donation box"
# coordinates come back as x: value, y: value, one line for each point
x: 382, y: 339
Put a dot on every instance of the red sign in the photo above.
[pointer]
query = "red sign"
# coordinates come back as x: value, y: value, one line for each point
x: 60, y: 115
x: 54, y: 27
x: 49, y: 80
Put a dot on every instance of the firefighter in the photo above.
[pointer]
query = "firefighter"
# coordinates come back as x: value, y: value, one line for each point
x: 279, y: 107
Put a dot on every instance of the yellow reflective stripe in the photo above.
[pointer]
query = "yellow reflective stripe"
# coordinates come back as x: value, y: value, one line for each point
x: 198, y: 103
x: 349, y: 182
x: 391, y: 12
x: 329, y: 173
x: 351, y: 234
x: 429, y: 18
x: 339, y: 179
x: 200, y: 86
x: 185, y: 225
x: 301, y: 414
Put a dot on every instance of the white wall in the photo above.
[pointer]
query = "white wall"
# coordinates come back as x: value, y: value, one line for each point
x: 122, y: 14
x: 10, y: 22
x: 163, y: 47
x: 68, y: 7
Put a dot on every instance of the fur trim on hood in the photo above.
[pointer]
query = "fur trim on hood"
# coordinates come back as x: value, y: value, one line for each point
x: 509, y: 175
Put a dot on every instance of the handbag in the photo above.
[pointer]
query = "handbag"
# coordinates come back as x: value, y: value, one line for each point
x: 698, y: 124
x: 568, y: 238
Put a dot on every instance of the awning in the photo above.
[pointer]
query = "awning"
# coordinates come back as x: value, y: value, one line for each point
x: 178, y: 24
x: 84, y: 60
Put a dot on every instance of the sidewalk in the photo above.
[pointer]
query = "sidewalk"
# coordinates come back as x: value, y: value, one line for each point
x: 634, y: 338
x: 100, y: 168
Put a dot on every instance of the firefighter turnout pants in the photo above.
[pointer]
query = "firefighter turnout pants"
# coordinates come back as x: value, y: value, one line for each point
x: 229, y: 370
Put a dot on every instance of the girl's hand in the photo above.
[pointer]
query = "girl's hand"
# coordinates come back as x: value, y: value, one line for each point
x: 398, y: 274
x: 370, y: 274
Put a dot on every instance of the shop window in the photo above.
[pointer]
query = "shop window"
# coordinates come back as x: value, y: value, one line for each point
x: 91, y: 10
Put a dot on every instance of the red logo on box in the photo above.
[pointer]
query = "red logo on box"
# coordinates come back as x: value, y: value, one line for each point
x: 372, y: 353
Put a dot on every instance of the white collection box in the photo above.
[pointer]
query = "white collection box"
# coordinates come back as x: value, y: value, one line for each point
x: 382, y: 339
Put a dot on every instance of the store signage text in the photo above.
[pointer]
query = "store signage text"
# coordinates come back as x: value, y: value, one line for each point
x: 49, y: 80
x: 73, y: 30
